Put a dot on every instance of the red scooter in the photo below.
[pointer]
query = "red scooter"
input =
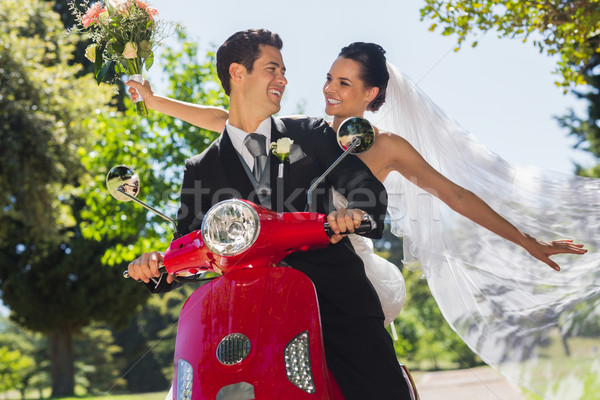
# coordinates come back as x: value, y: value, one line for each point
x: 255, y: 331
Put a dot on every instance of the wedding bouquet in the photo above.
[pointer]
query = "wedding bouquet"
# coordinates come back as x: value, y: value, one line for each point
x: 124, y: 34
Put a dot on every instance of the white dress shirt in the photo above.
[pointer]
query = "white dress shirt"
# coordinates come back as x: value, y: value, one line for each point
x: 237, y: 137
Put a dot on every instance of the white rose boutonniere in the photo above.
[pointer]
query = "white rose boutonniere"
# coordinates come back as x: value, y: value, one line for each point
x: 281, y: 149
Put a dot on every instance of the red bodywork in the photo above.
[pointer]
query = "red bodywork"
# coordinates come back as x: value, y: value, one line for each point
x: 268, y: 304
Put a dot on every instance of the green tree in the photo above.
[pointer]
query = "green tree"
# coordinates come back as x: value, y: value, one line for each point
x: 149, y: 340
x: 58, y: 228
x: 437, y: 342
x: 40, y: 132
x: 587, y: 128
x: 425, y: 338
x: 31, y: 345
x: 567, y: 28
x: 96, y: 366
x: 61, y: 7
x: 12, y: 365
x: 52, y: 277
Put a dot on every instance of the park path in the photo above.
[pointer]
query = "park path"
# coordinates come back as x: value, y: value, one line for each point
x: 482, y: 383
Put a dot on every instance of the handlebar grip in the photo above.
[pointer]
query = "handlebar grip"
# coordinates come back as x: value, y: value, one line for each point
x: 365, y: 227
x: 161, y: 269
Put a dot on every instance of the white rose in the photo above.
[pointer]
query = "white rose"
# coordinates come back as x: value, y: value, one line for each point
x: 104, y: 18
x: 130, y: 50
x: 90, y: 52
x: 284, y: 145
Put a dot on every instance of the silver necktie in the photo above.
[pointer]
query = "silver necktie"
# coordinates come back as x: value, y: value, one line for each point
x: 256, y: 144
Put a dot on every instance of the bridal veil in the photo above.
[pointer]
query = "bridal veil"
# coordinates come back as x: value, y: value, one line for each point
x: 535, y: 325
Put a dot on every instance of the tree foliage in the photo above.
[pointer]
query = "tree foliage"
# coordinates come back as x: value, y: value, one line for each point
x: 61, y: 7
x: 32, y: 346
x: 58, y: 228
x: 40, y: 109
x: 12, y: 365
x: 587, y: 128
x: 97, y: 366
x: 425, y: 340
x: 149, y: 341
x: 567, y: 28
x: 52, y: 277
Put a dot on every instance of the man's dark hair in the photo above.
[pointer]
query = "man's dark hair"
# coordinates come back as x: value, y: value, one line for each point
x: 243, y: 48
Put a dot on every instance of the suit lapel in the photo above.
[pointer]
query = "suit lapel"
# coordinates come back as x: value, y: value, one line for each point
x: 232, y: 165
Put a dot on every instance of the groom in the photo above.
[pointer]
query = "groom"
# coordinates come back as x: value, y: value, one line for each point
x: 250, y: 66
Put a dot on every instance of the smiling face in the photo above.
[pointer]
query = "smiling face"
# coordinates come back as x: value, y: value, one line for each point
x: 264, y: 86
x: 344, y: 90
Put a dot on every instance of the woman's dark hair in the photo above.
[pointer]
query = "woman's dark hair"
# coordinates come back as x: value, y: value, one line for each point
x: 243, y: 48
x: 374, y: 73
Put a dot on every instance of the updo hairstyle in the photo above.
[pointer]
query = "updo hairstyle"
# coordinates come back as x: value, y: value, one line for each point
x: 374, y: 73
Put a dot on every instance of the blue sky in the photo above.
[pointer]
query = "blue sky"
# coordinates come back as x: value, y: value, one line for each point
x: 502, y: 91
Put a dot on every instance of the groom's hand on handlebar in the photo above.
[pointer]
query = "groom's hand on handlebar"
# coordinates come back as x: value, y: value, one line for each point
x: 343, y: 222
x: 146, y: 267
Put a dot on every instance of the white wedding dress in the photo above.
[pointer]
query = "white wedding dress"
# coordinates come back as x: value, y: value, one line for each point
x: 385, y: 277
x: 533, y: 324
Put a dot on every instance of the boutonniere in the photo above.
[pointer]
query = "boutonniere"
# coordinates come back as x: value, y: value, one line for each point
x: 281, y: 150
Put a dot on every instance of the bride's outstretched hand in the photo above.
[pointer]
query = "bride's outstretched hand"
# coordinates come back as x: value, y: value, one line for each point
x: 136, y: 89
x: 542, y: 250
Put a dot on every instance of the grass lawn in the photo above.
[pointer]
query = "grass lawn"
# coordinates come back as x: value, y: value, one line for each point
x: 141, y: 396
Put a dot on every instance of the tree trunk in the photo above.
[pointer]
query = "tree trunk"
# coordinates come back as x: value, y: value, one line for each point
x: 61, y: 358
x: 565, y: 344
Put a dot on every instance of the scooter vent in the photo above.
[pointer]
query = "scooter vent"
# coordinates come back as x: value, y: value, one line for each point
x: 233, y: 349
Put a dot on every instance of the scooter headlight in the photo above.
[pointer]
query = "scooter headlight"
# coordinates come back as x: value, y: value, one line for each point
x: 230, y: 227
x: 185, y: 376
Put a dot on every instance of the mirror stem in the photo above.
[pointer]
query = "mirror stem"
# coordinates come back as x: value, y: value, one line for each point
x: 309, y: 203
x: 146, y: 206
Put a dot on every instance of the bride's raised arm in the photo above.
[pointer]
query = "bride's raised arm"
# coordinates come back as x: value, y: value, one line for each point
x: 400, y: 156
x: 207, y: 117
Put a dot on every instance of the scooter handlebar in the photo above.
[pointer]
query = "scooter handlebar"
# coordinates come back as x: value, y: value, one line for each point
x: 161, y: 269
x: 365, y: 227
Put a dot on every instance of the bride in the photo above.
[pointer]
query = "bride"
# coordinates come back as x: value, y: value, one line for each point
x: 481, y: 269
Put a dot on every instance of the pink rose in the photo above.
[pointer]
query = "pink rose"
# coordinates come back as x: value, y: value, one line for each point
x: 151, y: 11
x: 130, y: 50
x: 92, y: 14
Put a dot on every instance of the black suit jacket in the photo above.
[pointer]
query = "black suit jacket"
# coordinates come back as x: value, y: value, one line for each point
x: 337, y: 272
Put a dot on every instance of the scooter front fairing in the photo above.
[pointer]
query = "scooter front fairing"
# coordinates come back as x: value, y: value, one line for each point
x: 253, y: 334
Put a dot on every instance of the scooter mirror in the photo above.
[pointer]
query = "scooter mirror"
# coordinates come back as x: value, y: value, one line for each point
x: 123, y: 183
x: 353, y: 128
x: 124, y: 178
x: 355, y: 135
